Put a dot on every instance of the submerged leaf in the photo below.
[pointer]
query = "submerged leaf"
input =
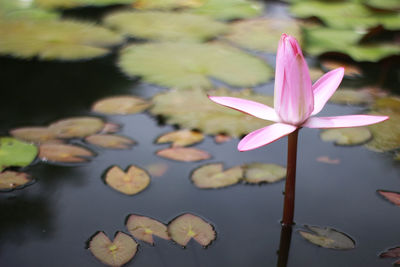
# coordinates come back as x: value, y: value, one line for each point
x: 33, y: 134
x: 386, y: 135
x: 328, y: 160
x: 391, y: 253
x: 214, y: 176
x: 110, y: 141
x: 121, y: 105
x: 186, y: 65
x: 10, y: 180
x: 328, y: 238
x: 76, y: 127
x: 186, y: 154
x: 64, y: 153
x: 222, y: 138
x: 157, y: 169
x: 113, y: 253
x: 131, y: 182
x: 188, y: 226
x: 181, y: 138
x: 347, y: 136
x: 260, y: 172
x: 16, y: 153
x: 393, y: 197
x: 143, y: 228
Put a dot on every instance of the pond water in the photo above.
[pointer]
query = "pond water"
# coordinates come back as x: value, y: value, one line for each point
x: 49, y: 223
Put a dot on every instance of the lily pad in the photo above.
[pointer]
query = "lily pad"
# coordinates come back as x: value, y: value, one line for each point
x: 393, y: 197
x: 110, y: 141
x: 113, y: 253
x: 385, y: 5
x: 165, y: 26
x: 16, y: 153
x: 17, y: 9
x: 214, y: 176
x: 33, y: 134
x: 166, y: 4
x: 131, y: 182
x: 110, y: 127
x: 186, y: 65
x: 191, y: 109
x: 10, y: 180
x: 76, y: 127
x: 188, y: 226
x: 328, y: 238
x: 222, y: 138
x: 352, y: 97
x: 157, y: 169
x: 391, y: 253
x: 181, y: 138
x: 55, y: 39
x: 143, y: 228
x: 186, y: 154
x: 386, y: 135
x: 350, y: 70
x: 328, y: 160
x: 347, y: 136
x: 387, y: 104
x: 78, y: 3
x: 256, y: 173
x: 120, y: 105
x: 64, y: 153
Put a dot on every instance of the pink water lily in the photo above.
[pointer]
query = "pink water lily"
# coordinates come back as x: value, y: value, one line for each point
x: 296, y: 100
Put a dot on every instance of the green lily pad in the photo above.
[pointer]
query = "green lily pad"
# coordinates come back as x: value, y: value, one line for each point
x: 143, y: 228
x: 19, y: 9
x: 166, y: 4
x: 393, y: 197
x: 16, y: 153
x: 131, y: 182
x: 347, y: 136
x: 113, y: 253
x: 121, y: 105
x: 78, y: 3
x: 76, y: 127
x: 328, y: 238
x: 165, y: 26
x: 188, y: 226
x: 181, y: 138
x: 262, y: 34
x: 191, y: 109
x: 386, y: 5
x: 53, y: 39
x: 110, y: 141
x: 64, y: 153
x: 33, y: 134
x: 10, y: 180
x: 256, y: 173
x: 185, y: 154
x: 352, y: 97
x: 387, y: 104
x: 186, y: 65
x: 214, y: 176
x: 386, y: 135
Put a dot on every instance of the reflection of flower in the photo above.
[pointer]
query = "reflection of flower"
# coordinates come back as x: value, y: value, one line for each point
x: 295, y: 100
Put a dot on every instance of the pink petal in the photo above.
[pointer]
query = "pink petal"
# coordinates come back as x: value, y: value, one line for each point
x: 343, y: 121
x: 265, y: 135
x: 325, y: 87
x: 250, y: 107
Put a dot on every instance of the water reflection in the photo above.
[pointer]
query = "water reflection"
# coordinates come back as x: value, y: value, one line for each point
x: 284, y: 245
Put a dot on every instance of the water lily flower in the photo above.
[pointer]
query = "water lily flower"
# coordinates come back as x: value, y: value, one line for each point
x: 296, y: 100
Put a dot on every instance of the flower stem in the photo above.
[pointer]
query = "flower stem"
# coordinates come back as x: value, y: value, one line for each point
x: 288, y: 206
x: 284, y: 245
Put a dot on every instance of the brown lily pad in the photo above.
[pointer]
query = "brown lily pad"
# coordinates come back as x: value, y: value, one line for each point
x: 76, y: 127
x: 64, y: 153
x: 110, y: 141
x: 393, y: 197
x: 186, y: 154
x: 181, y: 138
x: 328, y: 238
x: 214, y: 176
x: 263, y: 173
x: 157, y: 169
x: 131, y: 182
x: 391, y: 253
x: 113, y: 253
x: 222, y: 138
x: 33, y: 134
x: 350, y: 70
x: 347, y: 136
x: 188, y: 226
x: 143, y: 228
x: 121, y: 105
x: 10, y: 180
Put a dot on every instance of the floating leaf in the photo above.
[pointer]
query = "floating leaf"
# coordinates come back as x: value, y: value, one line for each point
x: 393, y: 197
x: 222, y: 138
x: 391, y: 253
x: 214, y: 176
x: 16, y: 9
x: 328, y: 238
x: 260, y: 172
x: 186, y: 154
x: 113, y: 253
x: 157, y: 169
x: 131, y: 182
x: 328, y: 160
x: 188, y: 226
x: 76, y: 127
x: 181, y: 138
x: 166, y: 4
x: 229, y: 9
x: 33, y: 134
x: 110, y: 127
x: 110, y: 141
x: 186, y: 65
x: 64, y: 153
x: 165, y: 26
x: 143, y: 228
x: 78, y: 3
x: 10, y: 180
x: 347, y: 136
x: 387, y: 4
x: 350, y: 70
x: 262, y: 34
x: 16, y: 153
x: 386, y: 135
x: 352, y: 97
x: 192, y: 109
x: 121, y: 105
x: 53, y: 39
x: 387, y: 104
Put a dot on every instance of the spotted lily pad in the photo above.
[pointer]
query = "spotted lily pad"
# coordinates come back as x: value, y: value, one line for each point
x: 110, y: 141
x: 192, y: 109
x: 131, y: 182
x: 143, y: 228
x: 165, y: 26
x: 186, y: 154
x: 120, y: 105
x: 78, y: 3
x: 393, y: 197
x: 347, y: 136
x: 188, y: 226
x: 260, y: 172
x: 10, y: 180
x: 214, y: 176
x: 113, y: 253
x: 352, y: 97
x: 181, y: 138
x: 64, y: 153
x: 16, y: 153
x: 76, y: 127
x: 186, y: 65
x: 386, y: 135
x: 328, y: 238
x: 33, y: 134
